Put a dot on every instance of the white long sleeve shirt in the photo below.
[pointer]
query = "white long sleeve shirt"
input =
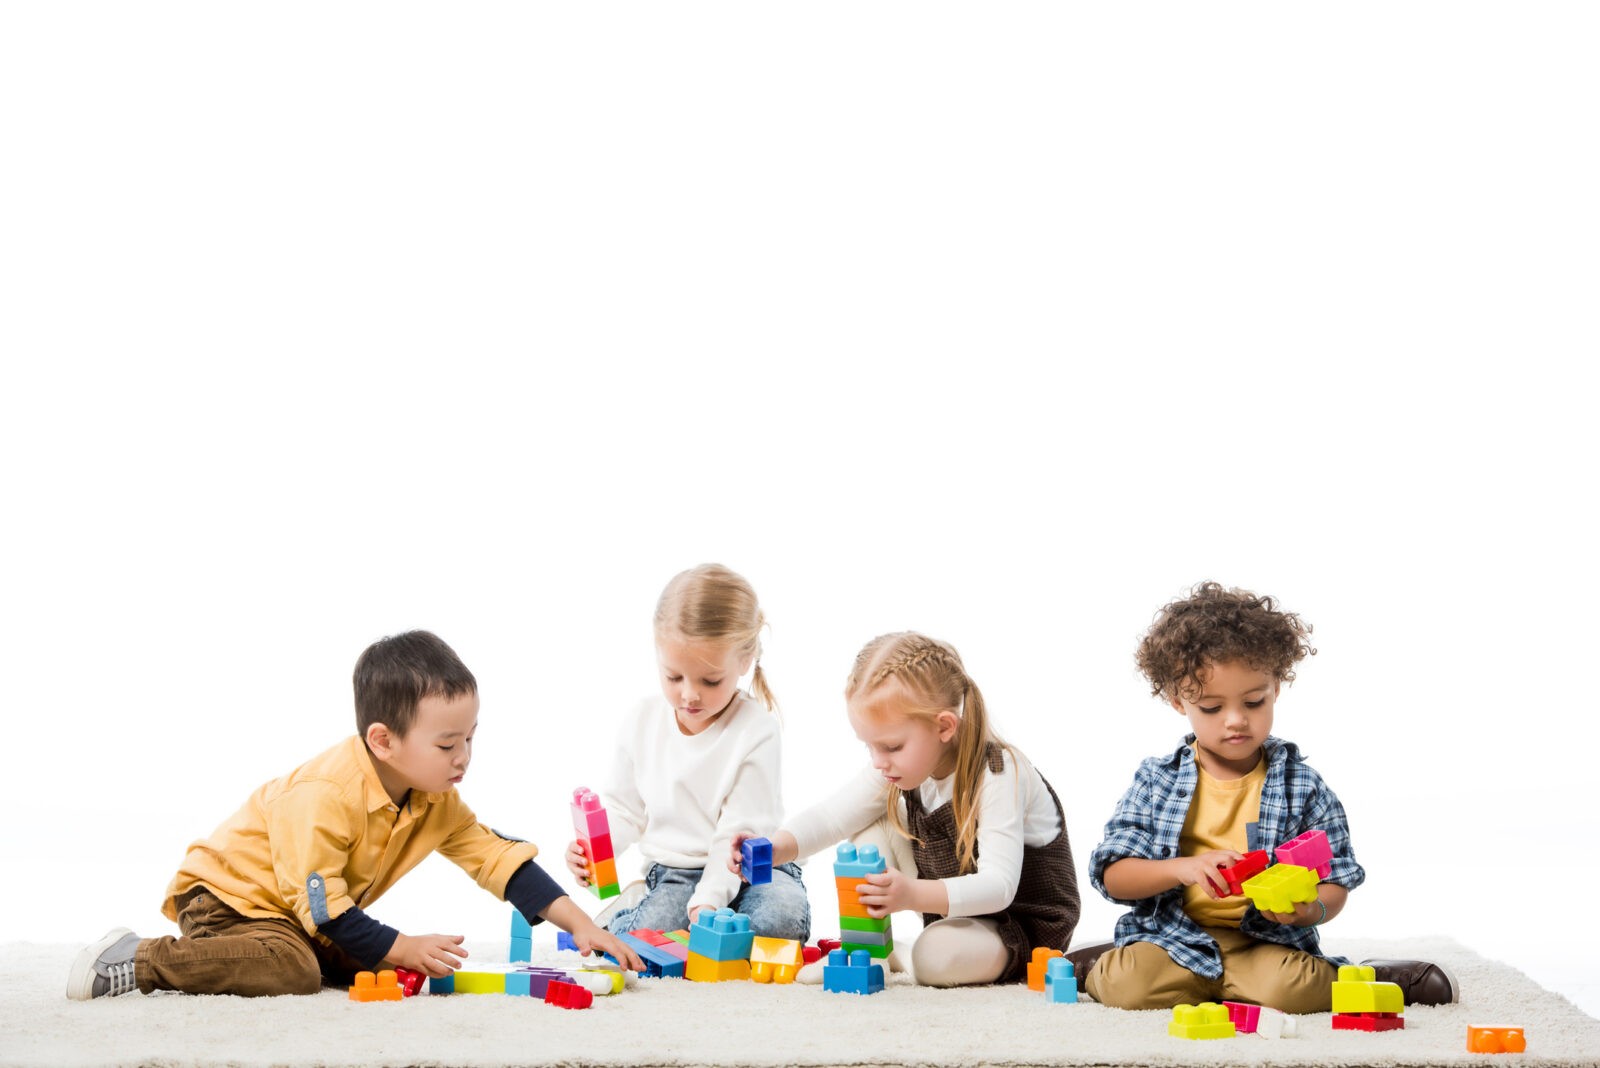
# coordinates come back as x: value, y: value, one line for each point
x: 683, y: 797
x: 1014, y: 809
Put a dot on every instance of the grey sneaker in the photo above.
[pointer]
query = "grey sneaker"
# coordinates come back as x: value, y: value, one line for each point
x: 104, y: 969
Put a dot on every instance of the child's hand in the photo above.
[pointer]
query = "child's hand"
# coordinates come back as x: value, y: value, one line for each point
x: 736, y: 856
x: 578, y: 862
x: 434, y: 955
x: 598, y: 940
x: 1202, y: 870
x: 1305, y: 914
x: 889, y: 891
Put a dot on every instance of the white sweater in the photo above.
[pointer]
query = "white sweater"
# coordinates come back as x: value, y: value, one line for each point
x: 683, y: 797
x: 1014, y: 809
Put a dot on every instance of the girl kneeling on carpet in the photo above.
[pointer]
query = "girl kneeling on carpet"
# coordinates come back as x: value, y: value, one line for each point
x: 974, y: 836
x: 694, y: 770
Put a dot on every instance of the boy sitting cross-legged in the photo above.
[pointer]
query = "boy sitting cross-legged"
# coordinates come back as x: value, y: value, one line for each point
x: 274, y: 901
x: 1219, y: 657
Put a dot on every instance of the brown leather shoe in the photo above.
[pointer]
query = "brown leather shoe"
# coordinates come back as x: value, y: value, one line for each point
x: 1083, y: 959
x: 1421, y: 982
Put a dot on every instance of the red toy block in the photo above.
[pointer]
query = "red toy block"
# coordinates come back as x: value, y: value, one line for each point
x: 655, y: 938
x: 1368, y: 1021
x: 567, y: 995
x: 824, y: 946
x: 1496, y: 1039
x: 1254, y: 863
x: 1245, y: 1017
x: 410, y: 981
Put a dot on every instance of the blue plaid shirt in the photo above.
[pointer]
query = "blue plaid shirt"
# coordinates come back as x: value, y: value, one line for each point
x: 1150, y: 816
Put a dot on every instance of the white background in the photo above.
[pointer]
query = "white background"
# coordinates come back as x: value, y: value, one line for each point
x: 1003, y: 322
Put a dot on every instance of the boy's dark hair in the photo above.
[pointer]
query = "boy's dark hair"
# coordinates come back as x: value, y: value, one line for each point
x: 395, y: 673
x: 1214, y: 625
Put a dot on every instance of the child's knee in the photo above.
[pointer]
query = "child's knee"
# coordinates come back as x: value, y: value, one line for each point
x: 1140, y: 975
x: 960, y: 951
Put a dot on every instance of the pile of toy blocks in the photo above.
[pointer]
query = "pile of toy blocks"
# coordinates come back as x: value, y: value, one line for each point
x: 573, y: 989
x: 719, y: 947
x: 665, y: 956
x: 593, y: 831
x: 1303, y: 861
x: 857, y: 930
x: 1361, y: 1004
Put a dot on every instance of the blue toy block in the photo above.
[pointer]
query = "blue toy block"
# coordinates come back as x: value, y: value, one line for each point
x: 444, y: 984
x: 658, y: 963
x: 850, y: 861
x: 721, y: 935
x: 1060, y: 984
x: 852, y: 973
x: 565, y: 941
x: 520, y: 928
x: 521, y: 950
x: 755, y: 861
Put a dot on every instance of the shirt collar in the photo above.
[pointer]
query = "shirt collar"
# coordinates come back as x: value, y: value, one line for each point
x: 377, y: 796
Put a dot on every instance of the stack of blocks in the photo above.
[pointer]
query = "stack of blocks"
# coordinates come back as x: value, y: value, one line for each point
x: 1060, y: 984
x: 1360, y: 1004
x: 851, y: 973
x: 664, y: 956
x: 719, y: 947
x: 589, y: 823
x: 857, y: 929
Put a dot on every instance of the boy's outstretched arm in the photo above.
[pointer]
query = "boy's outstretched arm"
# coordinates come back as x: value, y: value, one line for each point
x: 434, y: 955
x: 565, y: 914
x: 1135, y: 878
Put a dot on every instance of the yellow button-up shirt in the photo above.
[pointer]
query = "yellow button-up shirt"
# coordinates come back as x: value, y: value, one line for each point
x: 326, y: 837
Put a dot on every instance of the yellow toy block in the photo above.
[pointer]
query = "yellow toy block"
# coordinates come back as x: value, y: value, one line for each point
x: 381, y: 987
x: 700, y: 969
x: 775, y: 960
x: 475, y: 982
x: 1205, y: 1020
x: 1281, y: 887
x: 1355, y: 991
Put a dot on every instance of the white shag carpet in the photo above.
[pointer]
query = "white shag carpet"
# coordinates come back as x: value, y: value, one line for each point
x: 672, y: 1022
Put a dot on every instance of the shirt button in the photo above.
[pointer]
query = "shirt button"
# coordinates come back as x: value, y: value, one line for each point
x: 1183, y: 793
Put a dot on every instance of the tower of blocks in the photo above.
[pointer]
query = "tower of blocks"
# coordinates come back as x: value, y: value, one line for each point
x: 851, y: 973
x: 1205, y: 1020
x: 719, y: 947
x: 593, y: 830
x: 1361, y: 1004
x: 1060, y: 984
x: 857, y: 930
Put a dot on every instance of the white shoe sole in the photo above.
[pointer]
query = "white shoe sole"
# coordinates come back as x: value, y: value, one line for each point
x: 80, y: 980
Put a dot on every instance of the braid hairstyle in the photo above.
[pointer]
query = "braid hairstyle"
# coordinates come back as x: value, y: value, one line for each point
x: 712, y: 603
x: 933, y: 679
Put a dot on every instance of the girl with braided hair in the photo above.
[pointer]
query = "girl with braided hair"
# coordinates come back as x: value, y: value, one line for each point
x: 975, y: 837
x: 697, y: 764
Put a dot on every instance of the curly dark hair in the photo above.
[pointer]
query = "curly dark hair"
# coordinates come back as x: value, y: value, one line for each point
x: 1214, y: 625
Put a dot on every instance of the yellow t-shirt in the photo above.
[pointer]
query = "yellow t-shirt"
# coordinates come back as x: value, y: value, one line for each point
x: 1217, y: 817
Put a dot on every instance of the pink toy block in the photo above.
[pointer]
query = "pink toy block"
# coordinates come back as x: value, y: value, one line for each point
x: 1309, y: 850
x: 1244, y: 1017
x: 588, y: 814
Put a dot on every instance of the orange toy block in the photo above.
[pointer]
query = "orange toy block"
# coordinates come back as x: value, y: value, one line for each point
x: 1036, y: 967
x: 1496, y: 1039
x: 381, y: 987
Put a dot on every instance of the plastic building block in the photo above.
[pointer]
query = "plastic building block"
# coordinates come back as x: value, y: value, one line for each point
x: 1366, y: 996
x: 1253, y: 863
x: 601, y: 981
x: 530, y: 982
x: 650, y: 935
x: 755, y: 861
x: 700, y: 969
x: 681, y: 937
x: 567, y: 995
x: 1205, y: 1020
x: 1496, y: 1039
x: 852, y: 973
x: 1368, y: 1021
x: 1245, y: 1017
x: 588, y: 814
x: 849, y: 860
x: 658, y: 963
x: 1036, y: 966
x: 1309, y: 850
x: 775, y: 960
x: 565, y: 941
x: 1281, y: 887
x: 1274, y: 1024
x: 380, y: 987
x: 721, y: 935
x: 410, y: 981
x: 1060, y: 984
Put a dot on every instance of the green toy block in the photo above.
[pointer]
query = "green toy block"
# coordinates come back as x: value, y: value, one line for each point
x: 1281, y: 887
x: 1205, y: 1020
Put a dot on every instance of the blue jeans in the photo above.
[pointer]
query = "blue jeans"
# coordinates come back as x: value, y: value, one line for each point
x: 778, y: 909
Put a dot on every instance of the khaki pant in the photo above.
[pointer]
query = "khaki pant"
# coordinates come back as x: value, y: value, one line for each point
x: 1140, y: 975
x: 222, y: 952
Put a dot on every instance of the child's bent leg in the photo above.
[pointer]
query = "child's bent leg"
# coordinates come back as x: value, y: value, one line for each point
x: 1265, y: 973
x: 222, y: 952
x: 1141, y: 975
x: 959, y: 951
x: 778, y: 909
x: 665, y: 906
